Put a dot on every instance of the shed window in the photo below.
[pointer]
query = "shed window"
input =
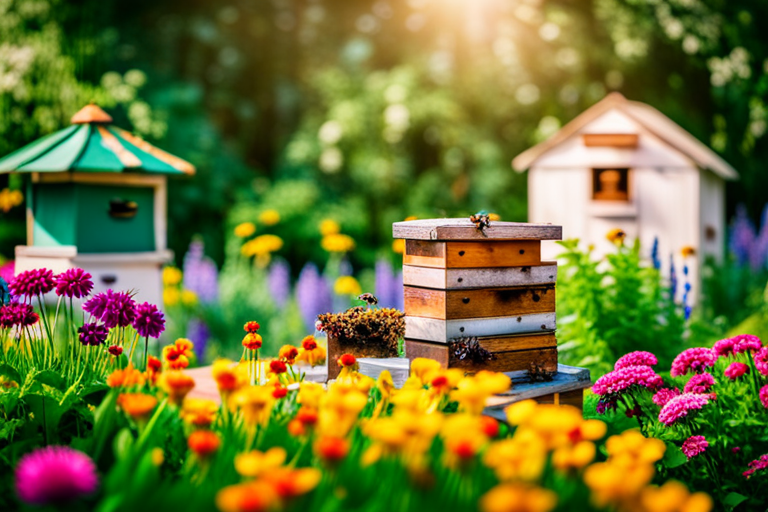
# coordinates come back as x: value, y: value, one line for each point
x: 610, y: 184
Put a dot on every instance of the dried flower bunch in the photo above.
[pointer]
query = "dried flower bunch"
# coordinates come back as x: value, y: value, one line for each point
x: 382, y: 327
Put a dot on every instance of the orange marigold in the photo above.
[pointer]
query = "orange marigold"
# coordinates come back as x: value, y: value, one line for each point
x: 125, y: 378
x: 228, y: 377
x: 291, y: 483
x: 252, y: 341
x: 137, y: 405
x: 177, y: 384
x: 248, y: 497
x: 203, y: 442
x: 288, y: 353
x: 154, y: 367
x: 347, y: 360
x: 332, y: 449
x: 309, y: 343
x: 199, y: 412
x: 177, y: 356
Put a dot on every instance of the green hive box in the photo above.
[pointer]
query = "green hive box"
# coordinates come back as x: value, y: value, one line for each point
x: 96, y: 199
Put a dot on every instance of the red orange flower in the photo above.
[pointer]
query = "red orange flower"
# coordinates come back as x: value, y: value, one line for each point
x: 176, y: 356
x: 252, y: 341
x: 277, y: 367
x: 347, y: 361
x: 288, y: 353
x: 126, y: 378
x: 203, y: 442
x: 154, y: 366
x: 137, y: 405
x: 332, y: 449
x: 251, y: 327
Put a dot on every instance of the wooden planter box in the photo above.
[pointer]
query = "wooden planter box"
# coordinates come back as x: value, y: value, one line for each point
x: 337, y: 348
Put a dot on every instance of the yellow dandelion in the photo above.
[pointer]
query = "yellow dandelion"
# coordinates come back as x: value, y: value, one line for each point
x: 337, y: 243
x: 245, y: 229
x: 411, y: 217
x: 329, y: 227
x: 494, y: 217
x: 172, y: 276
x: 398, y: 246
x: 269, y: 217
x: 188, y: 297
x: 347, y: 285
x: 171, y: 296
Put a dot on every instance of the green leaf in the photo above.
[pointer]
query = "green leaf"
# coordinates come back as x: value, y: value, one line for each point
x: 10, y: 372
x: 51, y: 378
x: 733, y: 500
x: 123, y: 443
x: 673, y: 456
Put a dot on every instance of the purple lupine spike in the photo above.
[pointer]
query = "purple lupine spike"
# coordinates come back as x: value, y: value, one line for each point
x: 280, y: 281
x: 313, y: 295
x: 200, y: 273
x: 743, y: 235
x: 199, y: 334
x: 386, y: 285
x: 655, y: 254
x: 672, y: 277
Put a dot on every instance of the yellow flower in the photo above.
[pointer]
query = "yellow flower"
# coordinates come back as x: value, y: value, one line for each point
x: 188, y: 297
x: 245, y: 229
x: 310, y: 394
x: 520, y: 458
x: 171, y: 296
x: 255, y: 403
x: 398, y: 246
x: 633, y: 448
x: 617, y: 236
x: 338, y: 414
x: 472, y: 392
x: 262, y: 245
x: 199, y: 412
x: 347, y: 285
x: 494, y: 216
x: 311, y: 352
x: 674, y: 497
x: 255, y: 463
x: 172, y: 276
x: 687, y: 251
x: 611, y: 484
x: 337, y: 243
x: 9, y: 199
x: 269, y: 217
x: 228, y: 376
x: 424, y: 369
x: 574, y: 457
x: 518, y: 498
x: 137, y: 405
x: 255, y: 496
x: 410, y: 217
x: 176, y: 384
x: 329, y: 227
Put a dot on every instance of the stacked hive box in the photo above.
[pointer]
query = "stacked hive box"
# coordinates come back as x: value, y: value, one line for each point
x: 462, y: 282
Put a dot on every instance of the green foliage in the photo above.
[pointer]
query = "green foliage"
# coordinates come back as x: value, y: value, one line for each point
x: 610, y: 307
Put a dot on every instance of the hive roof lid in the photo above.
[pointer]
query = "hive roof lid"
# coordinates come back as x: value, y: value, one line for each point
x: 91, y: 144
x: 464, y: 229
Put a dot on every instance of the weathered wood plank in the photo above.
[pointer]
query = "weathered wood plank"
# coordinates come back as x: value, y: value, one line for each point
x: 567, y: 379
x: 478, y: 303
x: 459, y: 279
x: 519, y: 360
x: 505, y: 253
x: 464, y: 229
x: 442, y: 331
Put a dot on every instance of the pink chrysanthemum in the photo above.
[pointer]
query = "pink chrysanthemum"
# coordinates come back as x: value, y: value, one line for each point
x: 724, y: 348
x: 756, y: 465
x: 694, y: 445
x: 18, y: 314
x: 736, y: 370
x: 112, y: 308
x: 32, y: 283
x: 664, y: 395
x: 149, y: 320
x: 694, y: 360
x: 761, y: 360
x: 619, y: 380
x: 764, y: 396
x: 744, y: 342
x: 699, y: 383
x: 637, y: 358
x: 74, y: 282
x: 680, y: 406
x: 55, y: 474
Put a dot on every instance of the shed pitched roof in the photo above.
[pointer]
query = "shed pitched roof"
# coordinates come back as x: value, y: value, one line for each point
x: 650, y: 119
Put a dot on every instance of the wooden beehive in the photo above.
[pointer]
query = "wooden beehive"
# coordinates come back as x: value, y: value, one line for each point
x: 462, y: 283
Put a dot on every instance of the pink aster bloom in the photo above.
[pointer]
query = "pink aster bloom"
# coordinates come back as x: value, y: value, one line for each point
x: 736, y: 370
x: 757, y: 465
x: 761, y: 360
x: 55, y: 474
x: 694, y: 445
x: 74, y: 282
x: 679, y: 407
x: 694, y: 360
x: 638, y: 358
x: 724, y: 348
x: 149, y: 320
x: 621, y: 379
x: 664, y: 395
x: 764, y: 396
x: 699, y: 383
x: 18, y: 314
x: 32, y: 283
x: 112, y: 308
x: 744, y: 342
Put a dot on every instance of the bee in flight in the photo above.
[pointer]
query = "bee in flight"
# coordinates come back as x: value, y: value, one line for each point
x: 369, y: 299
x: 481, y: 221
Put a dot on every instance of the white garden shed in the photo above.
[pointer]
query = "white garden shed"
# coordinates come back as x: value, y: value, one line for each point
x: 623, y: 164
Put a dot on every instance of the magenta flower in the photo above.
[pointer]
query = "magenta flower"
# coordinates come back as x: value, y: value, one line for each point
x: 149, y: 320
x: 694, y: 445
x: 55, y: 474
x: 19, y: 314
x: 112, y: 308
x: 756, y: 465
x: 74, y: 282
x: 724, y: 348
x: 32, y: 283
x: 694, y: 360
x: 638, y: 358
x: 619, y: 380
x: 761, y: 360
x: 699, y: 383
x: 664, y: 395
x: 93, y: 334
x: 736, y: 370
x: 744, y: 342
x: 764, y: 396
x: 680, y: 406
